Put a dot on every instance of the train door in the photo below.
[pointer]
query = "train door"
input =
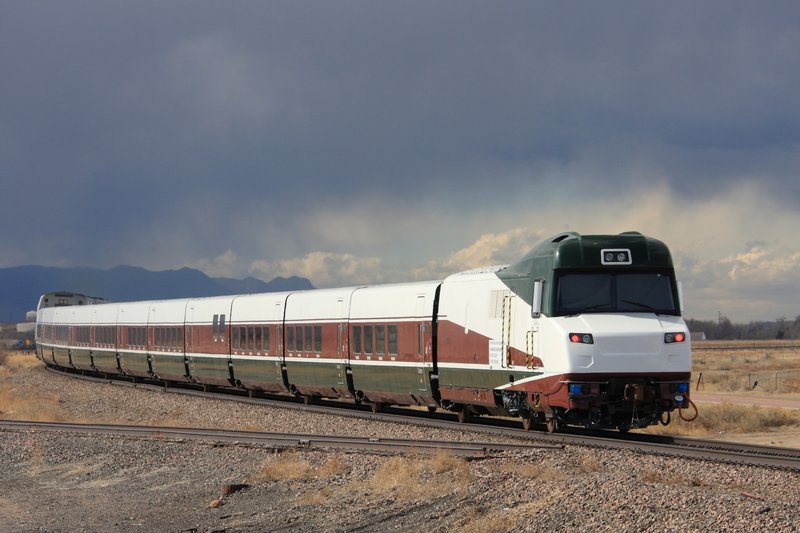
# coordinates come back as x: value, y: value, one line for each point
x: 424, y: 353
x: 343, y: 355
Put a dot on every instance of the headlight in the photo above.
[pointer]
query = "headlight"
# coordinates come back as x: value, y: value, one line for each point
x: 671, y: 338
x: 582, y: 338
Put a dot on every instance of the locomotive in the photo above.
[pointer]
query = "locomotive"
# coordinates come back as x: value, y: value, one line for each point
x: 584, y: 330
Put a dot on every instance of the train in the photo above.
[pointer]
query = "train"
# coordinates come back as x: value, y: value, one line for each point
x: 584, y: 330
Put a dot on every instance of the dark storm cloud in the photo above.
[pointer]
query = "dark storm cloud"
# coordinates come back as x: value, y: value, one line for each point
x: 138, y: 127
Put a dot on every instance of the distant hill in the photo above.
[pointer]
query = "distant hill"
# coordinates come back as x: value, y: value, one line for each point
x: 20, y: 287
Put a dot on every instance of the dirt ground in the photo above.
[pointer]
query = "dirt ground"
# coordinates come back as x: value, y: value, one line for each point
x: 786, y: 439
x: 77, y: 483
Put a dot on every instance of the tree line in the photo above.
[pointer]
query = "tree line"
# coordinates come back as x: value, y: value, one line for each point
x: 724, y: 329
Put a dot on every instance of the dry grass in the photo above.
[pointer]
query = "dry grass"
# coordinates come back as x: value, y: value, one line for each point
x: 22, y: 404
x: 516, y: 518
x: 476, y: 520
x: 288, y: 466
x: 766, y: 367
x: 714, y: 419
x: 651, y: 475
x: 11, y: 362
x: 404, y: 478
x: 408, y: 478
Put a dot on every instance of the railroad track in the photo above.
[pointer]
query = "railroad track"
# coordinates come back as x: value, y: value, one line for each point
x: 282, y: 440
x: 688, y: 448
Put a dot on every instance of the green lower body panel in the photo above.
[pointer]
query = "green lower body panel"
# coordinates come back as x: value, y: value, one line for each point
x: 47, y: 355
x: 314, y: 378
x: 82, y: 359
x: 105, y: 361
x: 210, y: 370
x: 404, y: 385
x: 169, y: 367
x: 135, y: 364
x: 259, y: 374
x: 481, y: 378
x: 476, y: 386
x: 61, y: 357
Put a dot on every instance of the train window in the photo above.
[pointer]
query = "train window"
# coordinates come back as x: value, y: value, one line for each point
x: 609, y: 292
x: 251, y: 338
x: 380, y: 340
x: 258, y: 340
x: 318, y: 339
x: 215, y: 327
x: 308, y: 338
x: 392, y: 339
x: 290, y: 339
x: 266, y: 339
x: 235, y: 337
x: 298, y: 338
x: 420, y: 338
x: 222, y: 327
x: 368, y: 340
x: 356, y: 339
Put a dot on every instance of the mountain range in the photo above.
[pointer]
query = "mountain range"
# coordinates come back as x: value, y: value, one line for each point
x: 20, y: 287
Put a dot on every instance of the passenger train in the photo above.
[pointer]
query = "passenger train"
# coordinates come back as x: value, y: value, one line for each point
x: 584, y: 330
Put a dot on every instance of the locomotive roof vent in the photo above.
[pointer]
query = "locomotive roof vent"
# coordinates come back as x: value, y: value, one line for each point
x: 615, y: 256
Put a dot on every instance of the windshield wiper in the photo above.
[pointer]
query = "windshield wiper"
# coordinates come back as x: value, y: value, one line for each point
x: 640, y: 304
x: 596, y: 306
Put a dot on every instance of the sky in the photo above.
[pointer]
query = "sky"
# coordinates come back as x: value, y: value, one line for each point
x: 356, y: 142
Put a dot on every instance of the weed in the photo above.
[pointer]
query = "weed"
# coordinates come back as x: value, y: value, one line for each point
x: 589, y: 463
x: 732, y: 418
x: 287, y: 466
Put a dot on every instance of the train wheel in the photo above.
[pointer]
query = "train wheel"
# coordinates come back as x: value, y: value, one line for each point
x: 431, y: 409
x: 527, y: 423
x: 376, y: 407
x: 463, y: 415
x: 553, y: 425
x: 309, y: 400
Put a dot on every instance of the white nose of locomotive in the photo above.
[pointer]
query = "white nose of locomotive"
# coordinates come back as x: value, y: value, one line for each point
x: 622, y: 343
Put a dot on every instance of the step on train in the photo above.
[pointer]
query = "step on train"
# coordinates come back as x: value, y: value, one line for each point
x: 585, y: 330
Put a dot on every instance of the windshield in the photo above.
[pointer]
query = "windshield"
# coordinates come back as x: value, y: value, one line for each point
x: 615, y: 292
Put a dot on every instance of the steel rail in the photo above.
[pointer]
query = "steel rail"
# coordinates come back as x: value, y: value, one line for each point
x: 284, y: 440
x: 682, y: 447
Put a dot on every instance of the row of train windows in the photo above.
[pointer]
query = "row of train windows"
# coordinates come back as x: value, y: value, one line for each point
x: 304, y: 339
x: 377, y: 339
x: 137, y: 336
x: 104, y: 334
x: 253, y: 338
x: 57, y: 333
x: 168, y: 337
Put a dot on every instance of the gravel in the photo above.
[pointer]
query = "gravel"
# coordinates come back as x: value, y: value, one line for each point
x: 66, y: 482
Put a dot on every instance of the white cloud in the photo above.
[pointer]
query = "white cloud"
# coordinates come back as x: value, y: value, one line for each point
x: 737, y: 252
x: 324, y: 269
x: 222, y: 266
x: 489, y: 249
